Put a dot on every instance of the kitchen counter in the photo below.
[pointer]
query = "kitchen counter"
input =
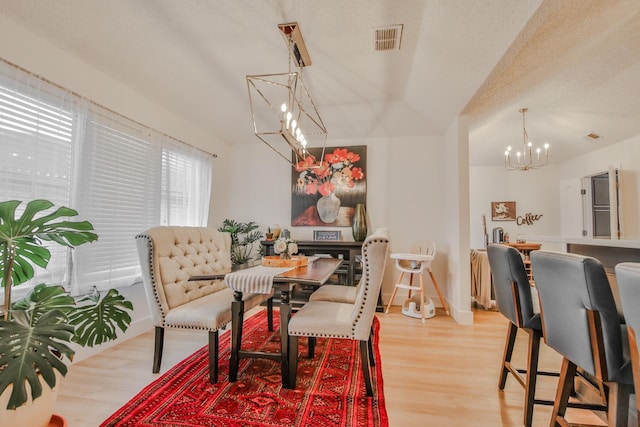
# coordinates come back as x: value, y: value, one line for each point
x: 634, y: 244
x: 609, y: 252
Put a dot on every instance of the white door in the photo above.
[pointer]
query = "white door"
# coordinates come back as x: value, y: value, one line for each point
x: 571, y: 208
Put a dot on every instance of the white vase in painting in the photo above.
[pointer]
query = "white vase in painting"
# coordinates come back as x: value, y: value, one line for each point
x: 328, y: 207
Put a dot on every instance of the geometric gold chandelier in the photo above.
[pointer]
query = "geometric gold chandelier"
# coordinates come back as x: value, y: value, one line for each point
x: 526, y: 159
x: 283, y: 113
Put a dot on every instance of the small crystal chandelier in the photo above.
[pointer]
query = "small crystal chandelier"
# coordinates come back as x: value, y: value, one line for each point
x: 284, y: 115
x: 525, y: 159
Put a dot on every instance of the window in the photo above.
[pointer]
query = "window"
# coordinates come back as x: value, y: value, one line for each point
x: 36, y: 136
x: 600, y: 199
x: 186, y: 175
x: 121, y: 176
x: 600, y: 208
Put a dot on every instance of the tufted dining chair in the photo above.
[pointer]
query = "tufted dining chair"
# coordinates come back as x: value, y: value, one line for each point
x: 581, y: 322
x: 169, y: 256
x: 344, y: 294
x: 515, y: 301
x: 628, y: 278
x: 343, y: 320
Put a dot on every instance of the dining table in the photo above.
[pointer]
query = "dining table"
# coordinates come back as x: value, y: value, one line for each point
x: 261, y: 279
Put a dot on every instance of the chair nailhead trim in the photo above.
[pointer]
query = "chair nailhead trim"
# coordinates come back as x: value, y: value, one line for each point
x: 152, y: 275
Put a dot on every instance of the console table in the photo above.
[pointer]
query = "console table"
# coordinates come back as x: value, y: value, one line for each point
x: 348, y: 252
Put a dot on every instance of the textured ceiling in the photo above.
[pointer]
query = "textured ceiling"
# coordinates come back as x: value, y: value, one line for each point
x: 576, y: 66
x: 573, y: 63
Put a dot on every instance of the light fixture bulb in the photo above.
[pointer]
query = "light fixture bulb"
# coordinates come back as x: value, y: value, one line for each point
x: 525, y: 160
x: 285, y: 96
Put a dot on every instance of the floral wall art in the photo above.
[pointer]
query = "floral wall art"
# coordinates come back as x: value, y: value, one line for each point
x: 326, y: 195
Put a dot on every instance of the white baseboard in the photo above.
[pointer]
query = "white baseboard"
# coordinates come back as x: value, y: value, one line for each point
x: 462, y: 317
x: 402, y: 296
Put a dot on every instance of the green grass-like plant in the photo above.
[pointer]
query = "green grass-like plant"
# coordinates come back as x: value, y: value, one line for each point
x: 243, y: 237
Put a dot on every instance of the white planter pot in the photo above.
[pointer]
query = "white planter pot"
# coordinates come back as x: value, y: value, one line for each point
x: 33, y: 413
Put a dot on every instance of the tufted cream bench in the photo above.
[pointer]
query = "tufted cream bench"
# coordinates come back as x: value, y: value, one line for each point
x: 169, y: 256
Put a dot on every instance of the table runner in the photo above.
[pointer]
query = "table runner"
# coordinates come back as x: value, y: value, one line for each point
x: 254, y: 280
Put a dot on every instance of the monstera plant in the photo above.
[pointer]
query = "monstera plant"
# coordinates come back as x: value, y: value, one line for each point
x: 35, y: 331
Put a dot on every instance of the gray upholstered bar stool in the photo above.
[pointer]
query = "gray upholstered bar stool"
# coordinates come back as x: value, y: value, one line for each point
x: 628, y: 278
x: 514, y: 299
x: 581, y: 322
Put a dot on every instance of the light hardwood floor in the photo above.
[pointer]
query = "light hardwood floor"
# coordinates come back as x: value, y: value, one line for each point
x: 436, y: 374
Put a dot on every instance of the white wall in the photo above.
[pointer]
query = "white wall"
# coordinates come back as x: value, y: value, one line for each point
x: 535, y: 191
x: 404, y: 193
x: 625, y: 156
x: 414, y: 186
x: 455, y: 218
x: 36, y: 55
x: 538, y: 191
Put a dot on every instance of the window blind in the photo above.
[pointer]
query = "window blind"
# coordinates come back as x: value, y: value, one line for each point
x: 37, y: 131
x: 186, y: 177
x: 117, y: 180
x: 120, y: 175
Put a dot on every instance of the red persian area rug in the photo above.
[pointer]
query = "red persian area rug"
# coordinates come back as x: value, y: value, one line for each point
x: 330, y: 388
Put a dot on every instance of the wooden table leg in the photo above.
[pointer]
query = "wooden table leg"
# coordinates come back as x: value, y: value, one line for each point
x: 237, y: 317
x: 285, y: 343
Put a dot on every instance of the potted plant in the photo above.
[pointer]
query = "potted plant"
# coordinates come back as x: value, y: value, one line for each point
x: 243, y: 236
x: 35, y: 331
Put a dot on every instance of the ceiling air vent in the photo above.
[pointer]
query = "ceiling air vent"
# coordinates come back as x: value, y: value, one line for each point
x: 387, y: 38
x: 593, y: 136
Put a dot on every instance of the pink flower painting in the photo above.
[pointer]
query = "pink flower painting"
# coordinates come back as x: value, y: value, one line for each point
x: 339, y: 174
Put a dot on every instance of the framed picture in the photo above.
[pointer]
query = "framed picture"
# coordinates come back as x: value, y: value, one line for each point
x: 327, y: 235
x: 325, y: 194
x: 503, y: 211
